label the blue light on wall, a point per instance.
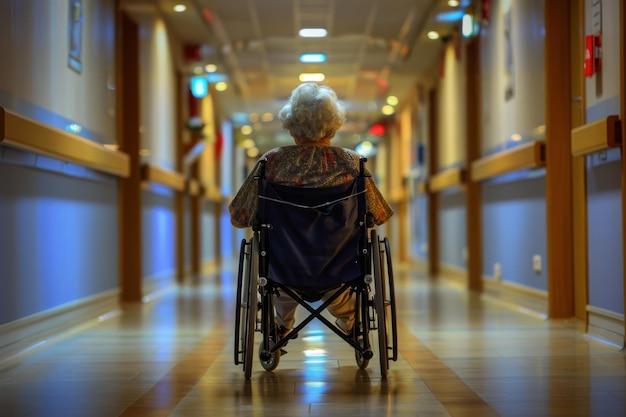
(199, 86)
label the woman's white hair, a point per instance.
(313, 113)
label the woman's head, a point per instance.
(313, 113)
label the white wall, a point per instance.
(452, 109)
(512, 60)
(34, 72)
(159, 49)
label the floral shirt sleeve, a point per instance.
(306, 166)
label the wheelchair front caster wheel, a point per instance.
(363, 359)
(269, 360)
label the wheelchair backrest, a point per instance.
(312, 237)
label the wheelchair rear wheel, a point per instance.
(379, 303)
(252, 303)
(392, 300)
(247, 304)
(239, 310)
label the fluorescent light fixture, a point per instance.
(433, 35)
(312, 33)
(179, 8)
(312, 58)
(216, 77)
(453, 16)
(240, 118)
(311, 76)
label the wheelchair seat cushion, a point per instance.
(312, 235)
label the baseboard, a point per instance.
(22, 336)
(454, 273)
(606, 327)
(519, 297)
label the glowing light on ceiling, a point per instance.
(311, 76)
(312, 33)
(179, 8)
(312, 58)
(388, 110)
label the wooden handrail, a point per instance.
(446, 179)
(30, 135)
(193, 187)
(163, 176)
(597, 136)
(529, 155)
(212, 193)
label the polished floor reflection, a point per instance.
(459, 356)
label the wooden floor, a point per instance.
(459, 356)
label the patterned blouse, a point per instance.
(306, 166)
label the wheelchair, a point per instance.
(306, 242)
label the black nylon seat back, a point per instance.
(312, 248)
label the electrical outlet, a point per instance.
(537, 264)
(497, 271)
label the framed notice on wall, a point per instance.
(75, 28)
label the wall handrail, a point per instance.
(193, 187)
(212, 193)
(527, 156)
(597, 136)
(448, 178)
(158, 175)
(30, 135)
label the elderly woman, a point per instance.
(312, 116)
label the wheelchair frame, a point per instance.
(375, 307)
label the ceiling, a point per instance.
(374, 48)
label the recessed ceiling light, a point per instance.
(311, 76)
(453, 3)
(433, 35)
(388, 110)
(179, 8)
(312, 58)
(312, 33)
(392, 100)
(221, 86)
